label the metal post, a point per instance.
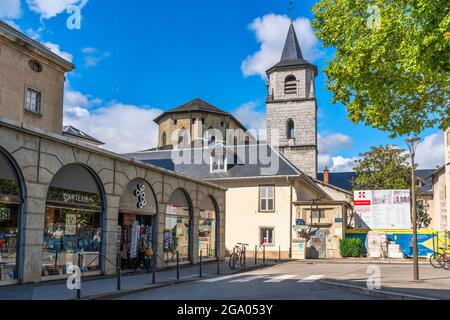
(79, 266)
(279, 253)
(264, 254)
(119, 286)
(218, 265)
(245, 253)
(256, 255)
(178, 266)
(414, 217)
(154, 269)
(200, 275)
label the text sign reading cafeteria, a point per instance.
(382, 209)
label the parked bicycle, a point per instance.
(440, 259)
(238, 255)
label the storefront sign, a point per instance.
(338, 220)
(76, 198)
(138, 197)
(299, 222)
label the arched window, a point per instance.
(164, 139)
(290, 85)
(290, 129)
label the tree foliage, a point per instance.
(382, 168)
(391, 63)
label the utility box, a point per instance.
(299, 249)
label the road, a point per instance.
(289, 281)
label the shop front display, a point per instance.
(207, 234)
(136, 234)
(177, 231)
(73, 224)
(10, 203)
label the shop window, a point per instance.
(266, 198)
(33, 100)
(267, 236)
(207, 234)
(177, 228)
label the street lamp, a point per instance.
(412, 145)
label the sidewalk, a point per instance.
(106, 286)
(422, 261)
(397, 282)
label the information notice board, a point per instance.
(382, 209)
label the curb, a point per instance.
(376, 292)
(122, 293)
(314, 261)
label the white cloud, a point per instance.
(330, 144)
(55, 48)
(250, 117)
(430, 152)
(51, 8)
(10, 9)
(92, 56)
(271, 31)
(124, 128)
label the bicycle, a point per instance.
(440, 260)
(238, 256)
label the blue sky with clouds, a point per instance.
(136, 58)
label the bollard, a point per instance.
(119, 275)
(264, 254)
(79, 266)
(178, 266)
(256, 255)
(279, 253)
(245, 253)
(200, 265)
(154, 270)
(218, 265)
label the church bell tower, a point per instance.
(292, 107)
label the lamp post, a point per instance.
(412, 145)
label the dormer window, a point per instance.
(218, 163)
(290, 85)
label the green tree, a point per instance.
(382, 168)
(391, 63)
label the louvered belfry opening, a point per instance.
(290, 85)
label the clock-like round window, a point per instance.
(35, 66)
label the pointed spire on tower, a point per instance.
(291, 49)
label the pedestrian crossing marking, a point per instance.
(312, 278)
(222, 278)
(281, 278)
(248, 279)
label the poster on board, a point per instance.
(382, 209)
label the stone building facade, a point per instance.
(40, 156)
(292, 107)
(27, 65)
(197, 122)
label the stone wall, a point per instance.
(41, 156)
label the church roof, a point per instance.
(77, 133)
(292, 54)
(198, 105)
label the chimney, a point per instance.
(326, 175)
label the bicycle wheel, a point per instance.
(438, 260)
(242, 261)
(232, 261)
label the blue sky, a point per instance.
(136, 58)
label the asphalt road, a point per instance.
(290, 281)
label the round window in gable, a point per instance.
(35, 66)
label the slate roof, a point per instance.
(199, 105)
(292, 54)
(244, 167)
(343, 180)
(77, 133)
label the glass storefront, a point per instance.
(176, 234)
(136, 241)
(207, 234)
(72, 226)
(10, 203)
